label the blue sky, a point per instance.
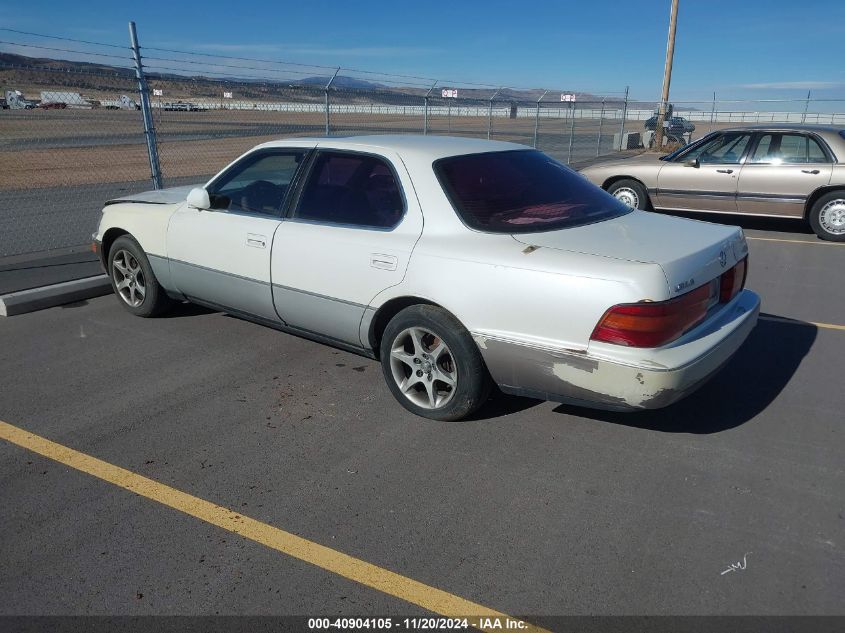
(738, 48)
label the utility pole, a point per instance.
(667, 77)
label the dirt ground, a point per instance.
(48, 148)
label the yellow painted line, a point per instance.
(810, 242)
(826, 326)
(367, 574)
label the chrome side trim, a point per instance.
(698, 194)
(223, 289)
(319, 296)
(334, 318)
(745, 213)
(771, 197)
(220, 272)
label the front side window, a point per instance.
(257, 184)
(522, 191)
(354, 189)
(726, 148)
(787, 149)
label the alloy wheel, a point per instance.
(129, 278)
(423, 368)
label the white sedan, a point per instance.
(458, 263)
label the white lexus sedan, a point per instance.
(457, 263)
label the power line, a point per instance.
(347, 71)
(66, 39)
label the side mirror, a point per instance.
(693, 163)
(198, 199)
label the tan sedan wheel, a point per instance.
(631, 193)
(827, 217)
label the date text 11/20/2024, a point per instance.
(417, 624)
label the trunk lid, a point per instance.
(690, 252)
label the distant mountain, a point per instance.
(341, 81)
(38, 73)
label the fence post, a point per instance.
(425, 114)
(624, 116)
(490, 113)
(329, 85)
(806, 106)
(144, 92)
(537, 117)
(601, 124)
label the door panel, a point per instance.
(326, 271)
(779, 189)
(782, 170)
(710, 187)
(222, 255)
(218, 257)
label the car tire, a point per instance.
(133, 280)
(827, 216)
(431, 364)
(631, 193)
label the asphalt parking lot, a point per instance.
(731, 502)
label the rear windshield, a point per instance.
(522, 191)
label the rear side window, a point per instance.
(522, 191)
(788, 149)
(353, 189)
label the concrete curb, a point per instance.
(57, 294)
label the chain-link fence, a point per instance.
(73, 135)
(65, 150)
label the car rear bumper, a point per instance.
(624, 379)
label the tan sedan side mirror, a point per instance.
(693, 162)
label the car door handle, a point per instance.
(256, 241)
(383, 262)
(725, 171)
(809, 171)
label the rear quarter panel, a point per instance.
(499, 288)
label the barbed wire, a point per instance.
(386, 76)
(65, 50)
(395, 79)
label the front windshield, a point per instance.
(522, 191)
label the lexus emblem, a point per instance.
(723, 258)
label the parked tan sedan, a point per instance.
(795, 171)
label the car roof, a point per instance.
(798, 127)
(430, 147)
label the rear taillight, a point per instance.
(732, 281)
(652, 324)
